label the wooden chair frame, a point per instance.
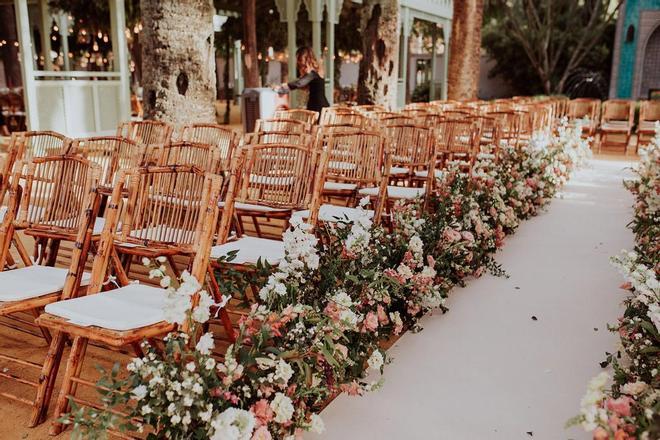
(309, 117)
(617, 119)
(213, 134)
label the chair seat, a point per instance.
(425, 173)
(129, 307)
(250, 207)
(250, 249)
(162, 233)
(33, 282)
(338, 186)
(646, 126)
(396, 171)
(616, 126)
(395, 192)
(272, 180)
(332, 213)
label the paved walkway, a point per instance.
(487, 369)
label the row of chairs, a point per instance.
(185, 210)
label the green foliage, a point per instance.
(539, 44)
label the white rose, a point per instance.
(282, 407)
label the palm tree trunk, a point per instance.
(178, 60)
(250, 43)
(465, 50)
(377, 83)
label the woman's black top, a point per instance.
(313, 80)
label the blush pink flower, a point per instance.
(371, 321)
(620, 406)
(451, 235)
(263, 412)
(262, 434)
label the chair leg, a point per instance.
(67, 389)
(47, 379)
(44, 331)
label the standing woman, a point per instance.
(310, 79)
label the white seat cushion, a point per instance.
(425, 173)
(332, 213)
(126, 308)
(33, 282)
(398, 171)
(272, 180)
(250, 249)
(337, 186)
(395, 192)
(250, 207)
(337, 165)
(647, 126)
(615, 126)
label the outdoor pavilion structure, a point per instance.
(438, 12)
(86, 103)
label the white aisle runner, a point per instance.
(486, 369)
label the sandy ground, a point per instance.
(486, 369)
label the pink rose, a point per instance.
(382, 315)
(620, 406)
(262, 434)
(451, 235)
(601, 434)
(263, 412)
(371, 321)
(467, 235)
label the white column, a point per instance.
(333, 10)
(120, 51)
(315, 11)
(434, 69)
(238, 70)
(45, 34)
(446, 32)
(63, 23)
(27, 66)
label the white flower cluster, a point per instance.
(643, 280)
(358, 238)
(570, 141)
(648, 169)
(345, 305)
(300, 253)
(591, 410)
(233, 424)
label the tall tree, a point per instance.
(465, 50)
(250, 43)
(556, 38)
(178, 60)
(377, 83)
(9, 52)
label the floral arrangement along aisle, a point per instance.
(329, 309)
(629, 408)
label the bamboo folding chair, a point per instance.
(509, 129)
(170, 211)
(288, 125)
(112, 153)
(206, 157)
(276, 181)
(431, 120)
(309, 117)
(649, 115)
(415, 113)
(70, 186)
(488, 129)
(617, 120)
(148, 133)
(355, 162)
(330, 116)
(459, 142)
(212, 134)
(286, 177)
(24, 146)
(584, 108)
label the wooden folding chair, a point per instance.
(649, 115)
(397, 119)
(460, 143)
(616, 121)
(70, 186)
(355, 161)
(277, 137)
(266, 176)
(309, 117)
(287, 125)
(582, 108)
(170, 211)
(330, 116)
(24, 146)
(112, 153)
(206, 157)
(147, 133)
(212, 134)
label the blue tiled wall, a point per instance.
(629, 49)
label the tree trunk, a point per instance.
(10, 52)
(178, 60)
(465, 50)
(377, 83)
(250, 43)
